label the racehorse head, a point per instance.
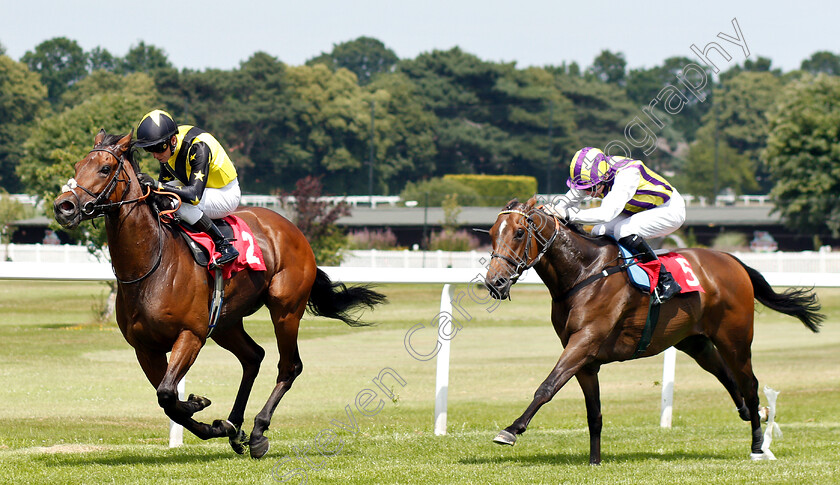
(521, 236)
(101, 182)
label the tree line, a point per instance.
(363, 120)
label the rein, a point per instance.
(95, 208)
(521, 265)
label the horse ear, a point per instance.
(125, 141)
(513, 203)
(99, 137)
(531, 202)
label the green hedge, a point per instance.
(497, 190)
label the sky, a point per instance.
(222, 33)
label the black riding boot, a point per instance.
(667, 287)
(226, 250)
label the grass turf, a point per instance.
(76, 408)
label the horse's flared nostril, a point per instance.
(65, 207)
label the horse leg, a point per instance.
(588, 380)
(289, 367)
(703, 351)
(574, 357)
(165, 378)
(736, 353)
(234, 339)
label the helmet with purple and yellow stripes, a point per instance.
(589, 167)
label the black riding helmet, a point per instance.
(156, 128)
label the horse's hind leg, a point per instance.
(290, 366)
(234, 339)
(735, 351)
(704, 352)
(588, 380)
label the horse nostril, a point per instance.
(67, 207)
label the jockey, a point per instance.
(194, 166)
(637, 204)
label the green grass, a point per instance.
(76, 408)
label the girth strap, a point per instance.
(597, 276)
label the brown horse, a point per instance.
(601, 319)
(163, 295)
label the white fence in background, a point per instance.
(776, 262)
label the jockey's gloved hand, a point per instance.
(147, 180)
(557, 211)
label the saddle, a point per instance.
(234, 229)
(645, 276)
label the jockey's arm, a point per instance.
(199, 160)
(572, 198)
(624, 188)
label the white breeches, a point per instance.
(216, 203)
(657, 222)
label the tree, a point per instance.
(144, 58)
(60, 140)
(101, 59)
(739, 115)
(329, 128)
(364, 56)
(316, 220)
(22, 102)
(698, 175)
(803, 154)
(60, 61)
(493, 117)
(609, 67)
(645, 86)
(822, 62)
(404, 133)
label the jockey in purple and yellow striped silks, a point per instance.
(637, 203)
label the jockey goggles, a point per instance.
(157, 148)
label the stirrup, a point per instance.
(227, 253)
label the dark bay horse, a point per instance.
(602, 321)
(163, 295)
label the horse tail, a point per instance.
(801, 303)
(337, 300)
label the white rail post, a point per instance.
(442, 376)
(176, 431)
(669, 366)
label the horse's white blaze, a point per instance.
(501, 231)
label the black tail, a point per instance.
(336, 300)
(801, 303)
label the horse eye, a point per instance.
(519, 233)
(105, 170)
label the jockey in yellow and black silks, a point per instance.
(637, 204)
(194, 166)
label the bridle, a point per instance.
(96, 208)
(520, 264)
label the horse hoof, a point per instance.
(200, 401)
(763, 413)
(759, 456)
(259, 447)
(239, 443)
(505, 438)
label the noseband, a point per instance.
(521, 265)
(96, 207)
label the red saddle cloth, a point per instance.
(250, 254)
(680, 269)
